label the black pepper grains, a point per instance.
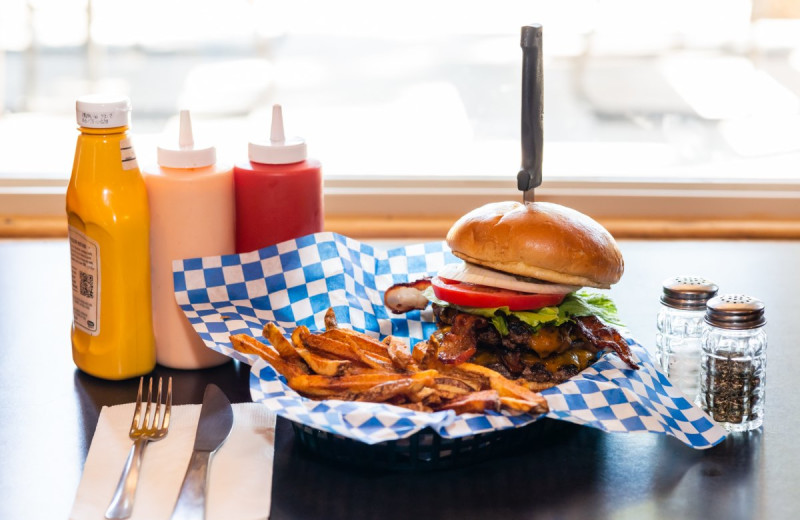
(733, 362)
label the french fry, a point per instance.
(506, 387)
(479, 370)
(447, 392)
(475, 402)
(337, 349)
(368, 343)
(533, 386)
(383, 392)
(453, 382)
(357, 340)
(399, 354)
(330, 319)
(409, 386)
(521, 405)
(298, 334)
(474, 381)
(325, 366)
(276, 338)
(422, 395)
(314, 384)
(374, 360)
(426, 376)
(362, 346)
(424, 354)
(249, 345)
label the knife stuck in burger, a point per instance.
(515, 304)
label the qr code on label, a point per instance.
(87, 285)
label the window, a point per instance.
(656, 108)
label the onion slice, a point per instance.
(471, 273)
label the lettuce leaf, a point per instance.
(579, 303)
(586, 303)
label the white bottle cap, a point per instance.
(186, 155)
(102, 111)
(279, 149)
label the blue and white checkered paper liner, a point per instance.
(295, 282)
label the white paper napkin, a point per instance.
(240, 479)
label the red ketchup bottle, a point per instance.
(278, 191)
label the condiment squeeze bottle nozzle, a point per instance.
(185, 135)
(276, 134)
(186, 154)
(279, 149)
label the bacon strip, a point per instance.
(461, 342)
(603, 337)
(404, 297)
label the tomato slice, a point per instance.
(472, 295)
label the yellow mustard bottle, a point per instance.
(108, 225)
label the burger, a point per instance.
(518, 302)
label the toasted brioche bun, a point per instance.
(540, 240)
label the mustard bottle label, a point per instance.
(85, 259)
(128, 155)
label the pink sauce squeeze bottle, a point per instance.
(192, 215)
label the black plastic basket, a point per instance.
(425, 450)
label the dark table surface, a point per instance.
(49, 410)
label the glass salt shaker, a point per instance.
(733, 362)
(680, 327)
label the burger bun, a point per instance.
(538, 240)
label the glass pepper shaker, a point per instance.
(733, 362)
(680, 328)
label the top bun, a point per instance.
(539, 240)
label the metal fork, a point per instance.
(141, 432)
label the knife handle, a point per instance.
(191, 503)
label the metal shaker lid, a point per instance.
(688, 292)
(735, 311)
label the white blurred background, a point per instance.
(634, 89)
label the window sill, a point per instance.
(398, 208)
(435, 227)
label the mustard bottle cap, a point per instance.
(186, 154)
(102, 111)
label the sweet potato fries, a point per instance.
(340, 363)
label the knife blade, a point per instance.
(214, 426)
(532, 131)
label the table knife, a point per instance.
(532, 131)
(216, 421)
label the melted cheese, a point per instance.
(579, 358)
(546, 341)
(485, 358)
